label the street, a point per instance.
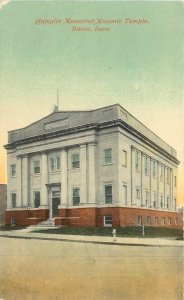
(38, 269)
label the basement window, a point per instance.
(108, 221)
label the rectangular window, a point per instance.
(148, 220)
(147, 198)
(154, 169)
(163, 221)
(167, 202)
(137, 162)
(75, 161)
(36, 195)
(55, 164)
(161, 201)
(169, 221)
(156, 220)
(168, 176)
(14, 200)
(155, 199)
(108, 221)
(146, 165)
(138, 193)
(36, 166)
(139, 220)
(13, 170)
(108, 194)
(161, 172)
(107, 156)
(76, 196)
(125, 194)
(124, 158)
(175, 183)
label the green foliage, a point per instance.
(131, 231)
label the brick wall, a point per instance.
(26, 217)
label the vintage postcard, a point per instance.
(91, 150)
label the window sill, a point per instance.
(109, 164)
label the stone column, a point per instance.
(64, 178)
(44, 181)
(92, 173)
(19, 181)
(83, 173)
(25, 181)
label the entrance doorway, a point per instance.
(55, 202)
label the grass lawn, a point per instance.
(121, 231)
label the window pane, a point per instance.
(36, 199)
(36, 166)
(13, 170)
(76, 196)
(108, 194)
(75, 161)
(52, 164)
(124, 158)
(108, 220)
(108, 156)
(58, 163)
(14, 200)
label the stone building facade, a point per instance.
(91, 168)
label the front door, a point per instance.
(55, 204)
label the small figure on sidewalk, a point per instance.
(114, 234)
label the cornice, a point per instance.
(97, 127)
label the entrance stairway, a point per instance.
(48, 223)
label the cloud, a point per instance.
(3, 3)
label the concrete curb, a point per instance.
(88, 241)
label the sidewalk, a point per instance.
(29, 233)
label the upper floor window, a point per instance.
(36, 166)
(155, 199)
(147, 198)
(168, 176)
(108, 194)
(137, 161)
(75, 161)
(76, 196)
(161, 201)
(146, 165)
(107, 156)
(124, 158)
(13, 200)
(167, 202)
(36, 195)
(125, 194)
(154, 169)
(13, 170)
(138, 193)
(161, 172)
(175, 183)
(55, 163)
